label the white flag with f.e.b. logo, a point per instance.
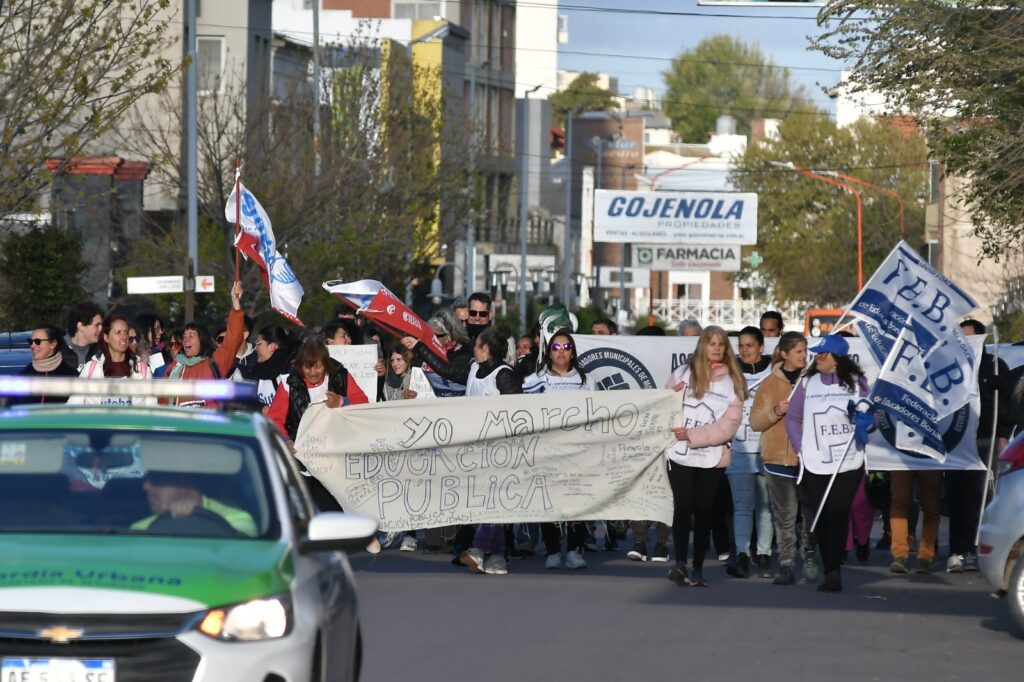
(927, 371)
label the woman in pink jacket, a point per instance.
(713, 391)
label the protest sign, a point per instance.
(361, 363)
(503, 459)
(418, 382)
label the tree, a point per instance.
(807, 228)
(42, 274)
(69, 70)
(957, 67)
(392, 187)
(583, 94)
(723, 75)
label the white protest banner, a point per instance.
(624, 362)
(675, 217)
(361, 363)
(502, 459)
(704, 257)
(418, 382)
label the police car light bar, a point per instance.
(210, 389)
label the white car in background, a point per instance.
(1001, 544)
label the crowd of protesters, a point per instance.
(749, 482)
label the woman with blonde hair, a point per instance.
(713, 388)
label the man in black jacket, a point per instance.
(964, 488)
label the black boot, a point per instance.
(833, 583)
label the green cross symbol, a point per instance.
(753, 260)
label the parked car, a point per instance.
(1001, 543)
(14, 352)
(164, 543)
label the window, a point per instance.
(411, 9)
(210, 65)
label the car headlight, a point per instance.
(250, 621)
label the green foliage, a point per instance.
(957, 67)
(724, 75)
(807, 230)
(42, 271)
(69, 70)
(583, 94)
(393, 184)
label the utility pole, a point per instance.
(568, 252)
(191, 162)
(470, 270)
(623, 305)
(524, 217)
(316, 88)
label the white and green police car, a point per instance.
(161, 543)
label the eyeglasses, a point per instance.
(37, 342)
(561, 346)
(133, 339)
(220, 339)
(479, 313)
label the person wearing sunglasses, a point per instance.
(560, 371)
(48, 360)
(115, 360)
(480, 314)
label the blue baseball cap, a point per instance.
(834, 344)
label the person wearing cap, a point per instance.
(178, 496)
(821, 429)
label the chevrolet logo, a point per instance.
(60, 634)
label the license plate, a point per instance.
(57, 670)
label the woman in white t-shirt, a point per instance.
(822, 431)
(713, 389)
(560, 371)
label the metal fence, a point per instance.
(728, 314)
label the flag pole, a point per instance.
(831, 481)
(995, 431)
(238, 213)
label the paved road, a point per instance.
(424, 619)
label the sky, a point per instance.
(656, 39)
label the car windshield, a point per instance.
(134, 482)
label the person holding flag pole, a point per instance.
(827, 412)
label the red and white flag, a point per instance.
(374, 301)
(256, 241)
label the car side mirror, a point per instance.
(334, 531)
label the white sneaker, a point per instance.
(496, 565)
(574, 560)
(473, 559)
(408, 543)
(553, 561)
(955, 563)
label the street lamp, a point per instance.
(524, 211)
(886, 190)
(552, 277)
(437, 285)
(860, 214)
(598, 144)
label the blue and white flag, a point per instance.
(906, 285)
(256, 241)
(909, 319)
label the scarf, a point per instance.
(47, 365)
(278, 363)
(181, 362)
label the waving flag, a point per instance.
(909, 319)
(376, 302)
(256, 241)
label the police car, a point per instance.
(161, 543)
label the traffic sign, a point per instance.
(204, 284)
(156, 285)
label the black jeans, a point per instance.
(834, 523)
(552, 535)
(693, 492)
(963, 495)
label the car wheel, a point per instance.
(1015, 595)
